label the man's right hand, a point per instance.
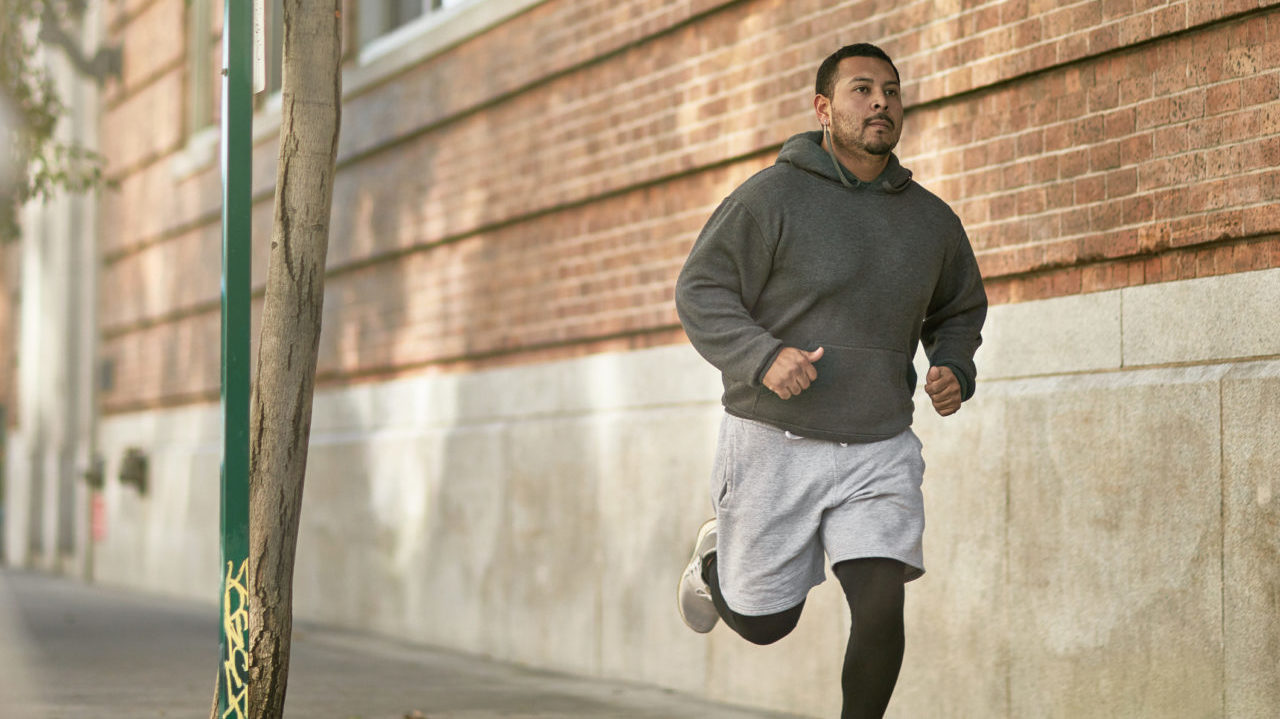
(792, 371)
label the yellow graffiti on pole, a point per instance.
(235, 625)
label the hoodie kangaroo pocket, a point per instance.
(859, 390)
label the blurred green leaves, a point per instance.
(34, 163)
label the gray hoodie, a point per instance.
(794, 257)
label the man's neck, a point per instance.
(864, 166)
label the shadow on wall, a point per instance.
(536, 514)
(365, 494)
(405, 512)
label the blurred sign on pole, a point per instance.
(259, 46)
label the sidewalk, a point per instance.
(74, 651)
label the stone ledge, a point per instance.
(1228, 317)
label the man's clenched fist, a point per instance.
(792, 371)
(944, 389)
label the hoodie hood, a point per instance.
(805, 151)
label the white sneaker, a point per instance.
(693, 597)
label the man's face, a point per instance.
(865, 107)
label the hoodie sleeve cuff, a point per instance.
(758, 380)
(966, 382)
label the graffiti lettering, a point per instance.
(235, 627)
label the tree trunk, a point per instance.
(280, 411)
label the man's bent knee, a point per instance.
(768, 628)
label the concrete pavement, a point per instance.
(74, 651)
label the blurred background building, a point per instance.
(512, 438)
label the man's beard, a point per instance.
(847, 139)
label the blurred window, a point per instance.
(380, 17)
(204, 61)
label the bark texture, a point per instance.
(280, 409)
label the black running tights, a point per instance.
(873, 588)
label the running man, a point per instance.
(810, 288)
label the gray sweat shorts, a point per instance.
(782, 500)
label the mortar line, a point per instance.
(1008, 564)
(1222, 540)
(1123, 292)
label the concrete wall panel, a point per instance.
(1079, 333)
(1175, 322)
(509, 472)
(1251, 545)
(955, 665)
(1114, 547)
(455, 583)
(549, 574)
(339, 561)
(165, 539)
(653, 495)
(1112, 597)
(21, 521)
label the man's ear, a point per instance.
(822, 108)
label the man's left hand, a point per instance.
(944, 389)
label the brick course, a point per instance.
(151, 50)
(534, 189)
(147, 125)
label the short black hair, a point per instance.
(827, 71)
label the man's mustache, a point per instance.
(885, 118)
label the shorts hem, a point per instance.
(915, 568)
(775, 608)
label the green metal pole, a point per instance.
(237, 165)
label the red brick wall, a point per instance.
(532, 192)
(1144, 164)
